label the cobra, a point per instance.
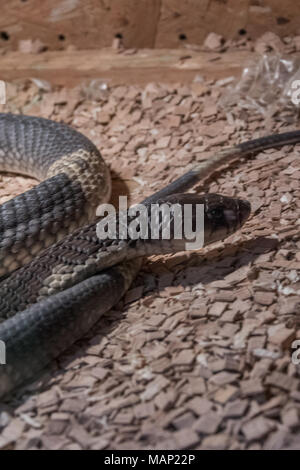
(58, 277)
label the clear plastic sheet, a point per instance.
(96, 89)
(43, 85)
(265, 88)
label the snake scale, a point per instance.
(58, 278)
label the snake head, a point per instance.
(205, 219)
(223, 216)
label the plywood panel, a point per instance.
(193, 20)
(93, 24)
(83, 23)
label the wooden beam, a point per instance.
(68, 68)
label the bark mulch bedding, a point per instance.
(198, 355)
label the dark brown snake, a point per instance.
(51, 299)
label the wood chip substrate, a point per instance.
(199, 354)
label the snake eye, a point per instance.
(216, 213)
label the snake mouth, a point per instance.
(236, 215)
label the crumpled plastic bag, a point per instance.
(267, 87)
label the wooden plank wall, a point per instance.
(89, 24)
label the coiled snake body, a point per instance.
(50, 300)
